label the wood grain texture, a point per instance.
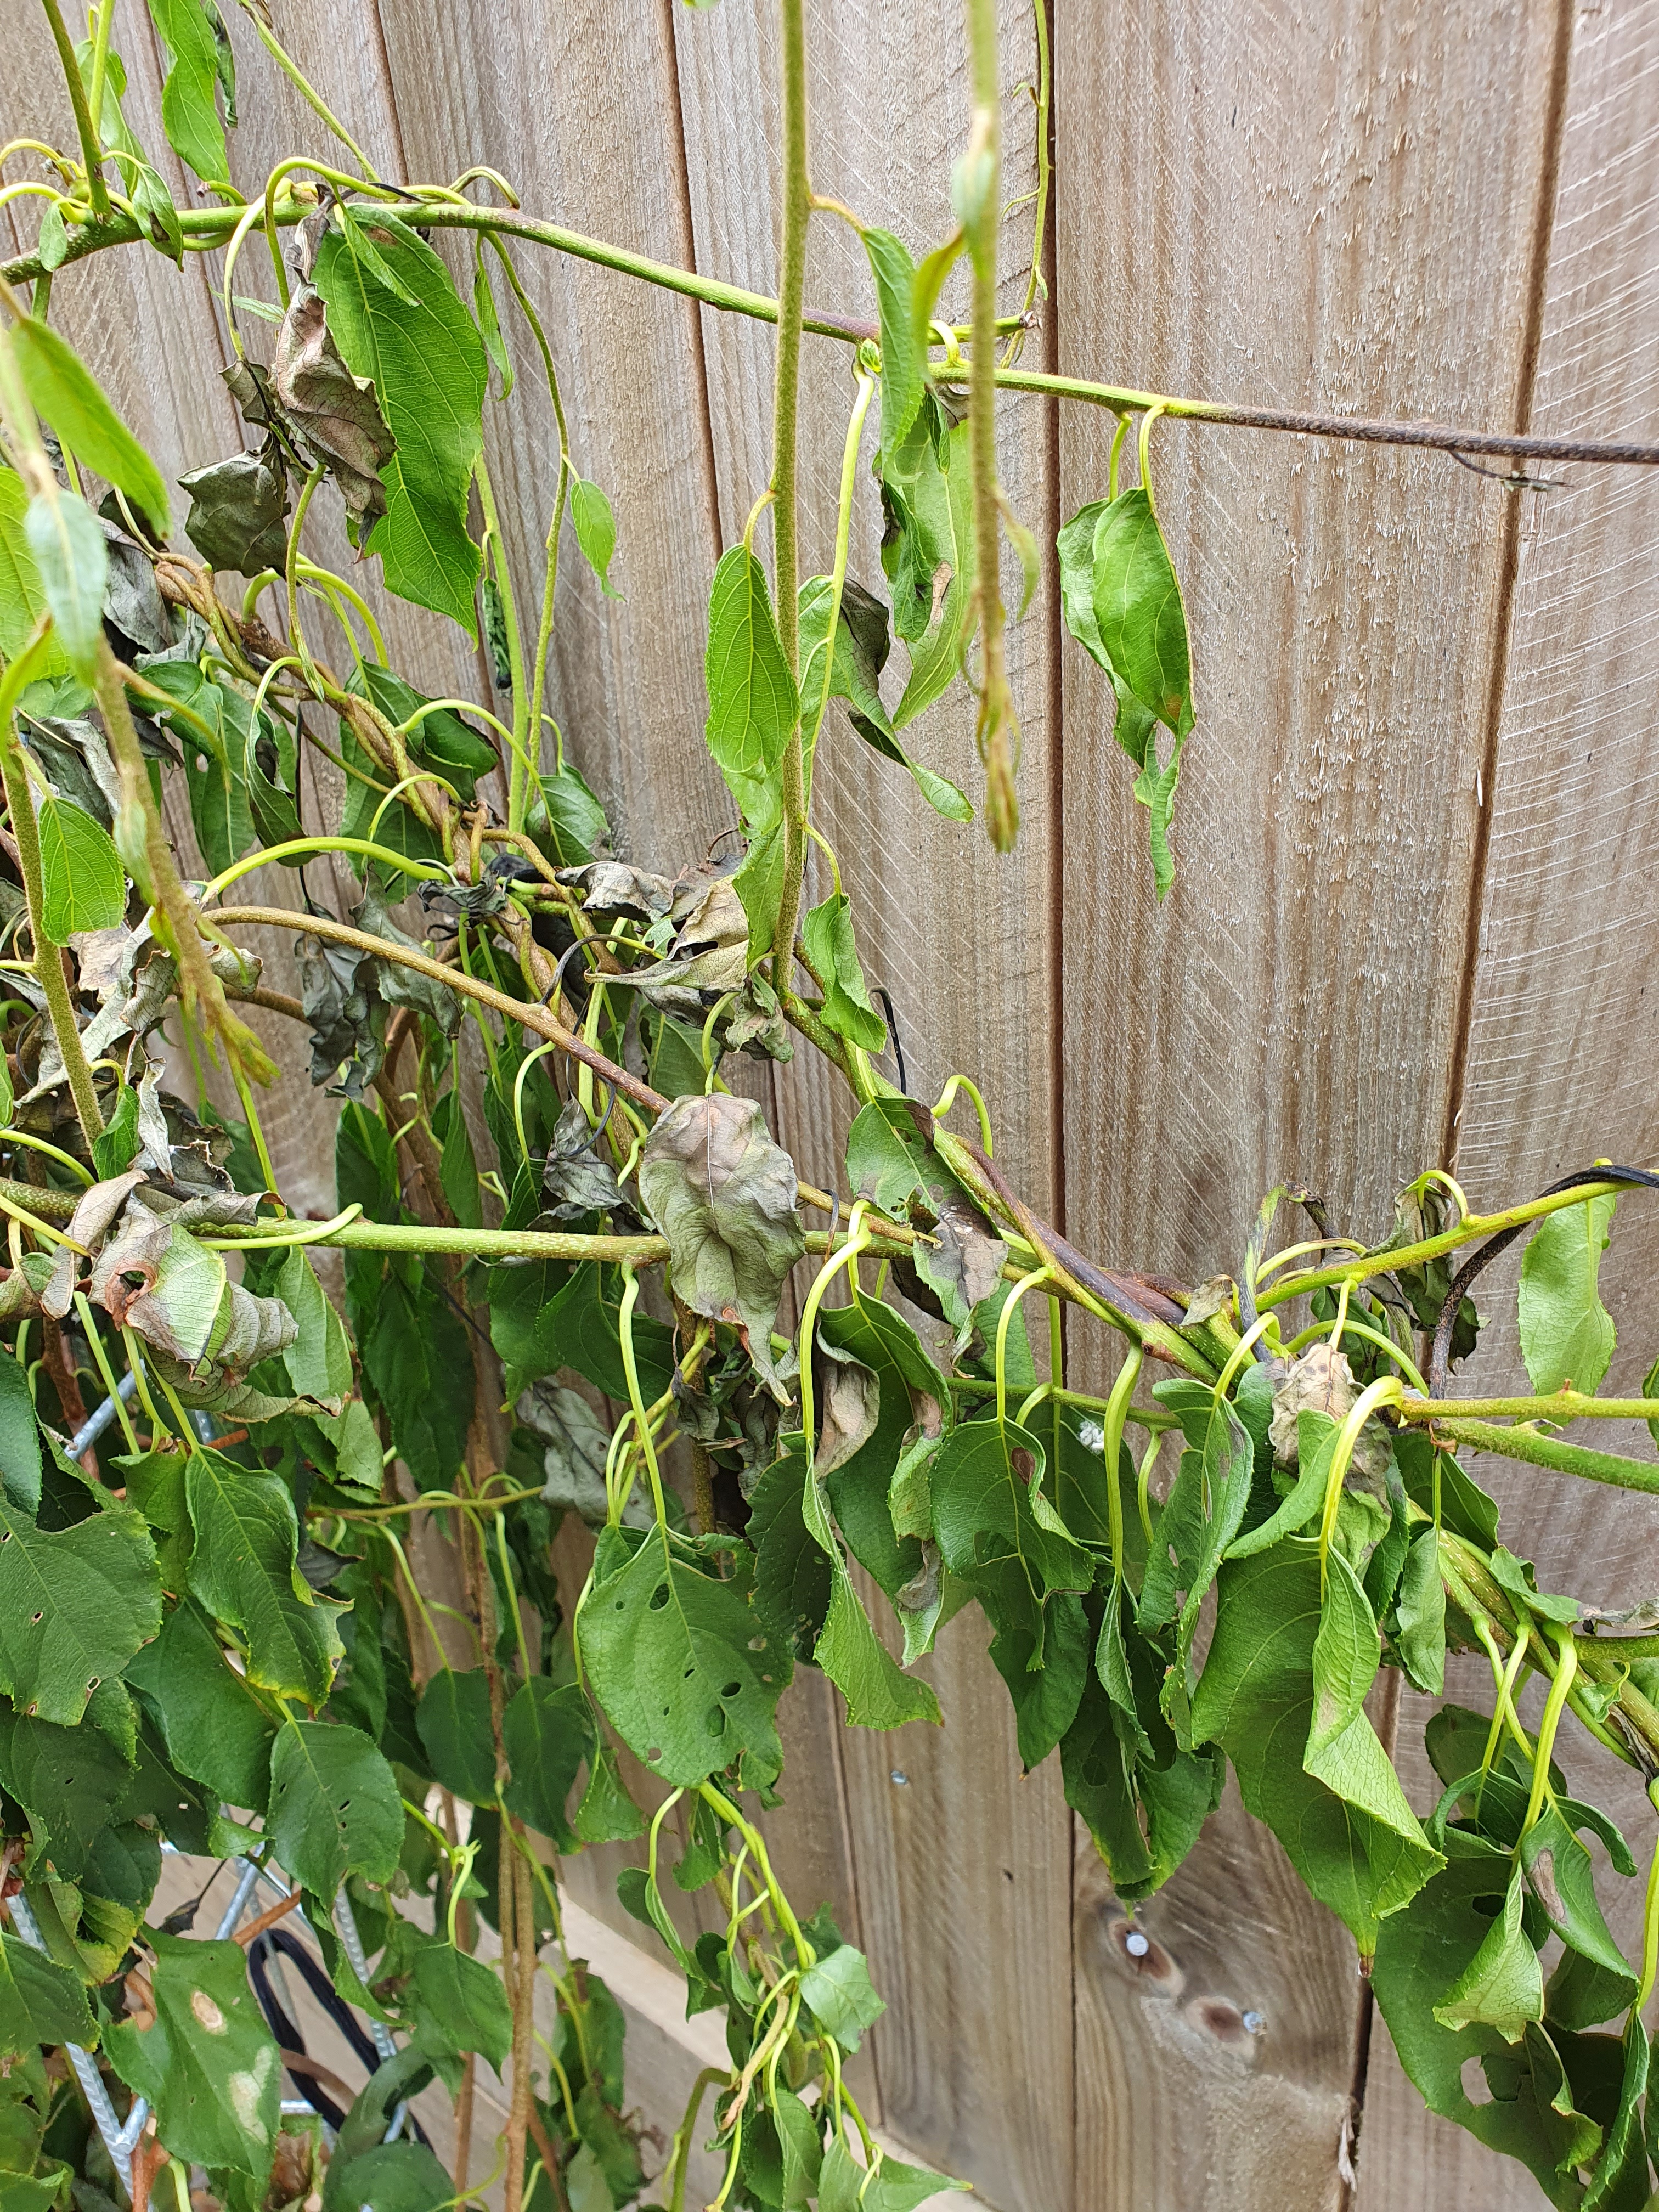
(962, 1867)
(1263, 201)
(1564, 964)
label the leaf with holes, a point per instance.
(208, 2063)
(334, 1806)
(685, 1674)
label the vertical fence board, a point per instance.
(1564, 1003)
(963, 1868)
(1267, 203)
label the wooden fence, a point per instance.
(1418, 840)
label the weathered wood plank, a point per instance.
(1263, 203)
(1564, 962)
(962, 1868)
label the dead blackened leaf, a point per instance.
(236, 511)
(579, 1180)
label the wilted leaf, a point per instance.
(236, 511)
(725, 1196)
(334, 416)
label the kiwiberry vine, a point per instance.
(568, 1250)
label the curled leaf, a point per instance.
(334, 416)
(725, 1196)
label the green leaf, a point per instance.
(927, 553)
(1502, 1985)
(488, 321)
(725, 1197)
(827, 932)
(1347, 1827)
(83, 885)
(547, 1733)
(213, 1727)
(681, 1669)
(1420, 1616)
(334, 1806)
(461, 2005)
(1229, 1462)
(793, 1580)
(371, 263)
(1560, 1875)
(20, 1440)
(1345, 1655)
(1139, 617)
(1566, 1332)
(242, 1568)
(22, 594)
(215, 771)
(837, 1989)
(74, 1606)
(1155, 789)
(318, 1361)
(113, 1151)
(72, 561)
(419, 1361)
(752, 702)
(596, 531)
(190, 113)
(903, 348)
(606, 1814)
(878, 1693)
(453, 1721)
(988, 1507)
(395, 2177)
(429, 372)
(208, 2062)
(63, 390)
(71, 1782)
(39, 2000)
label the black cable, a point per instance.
(288, 2032)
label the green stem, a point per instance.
(550, 574)
(979, 204)
(48, 956)
(307, 92)
(1560, 1405)
(516, 776)
(796, 194)
(1562, 1458)
(92, 150)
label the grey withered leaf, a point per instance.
(332, 413)
(346, 1012)
(725, 1197)
(406, 987)
(236, 510)
(579, 1181)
